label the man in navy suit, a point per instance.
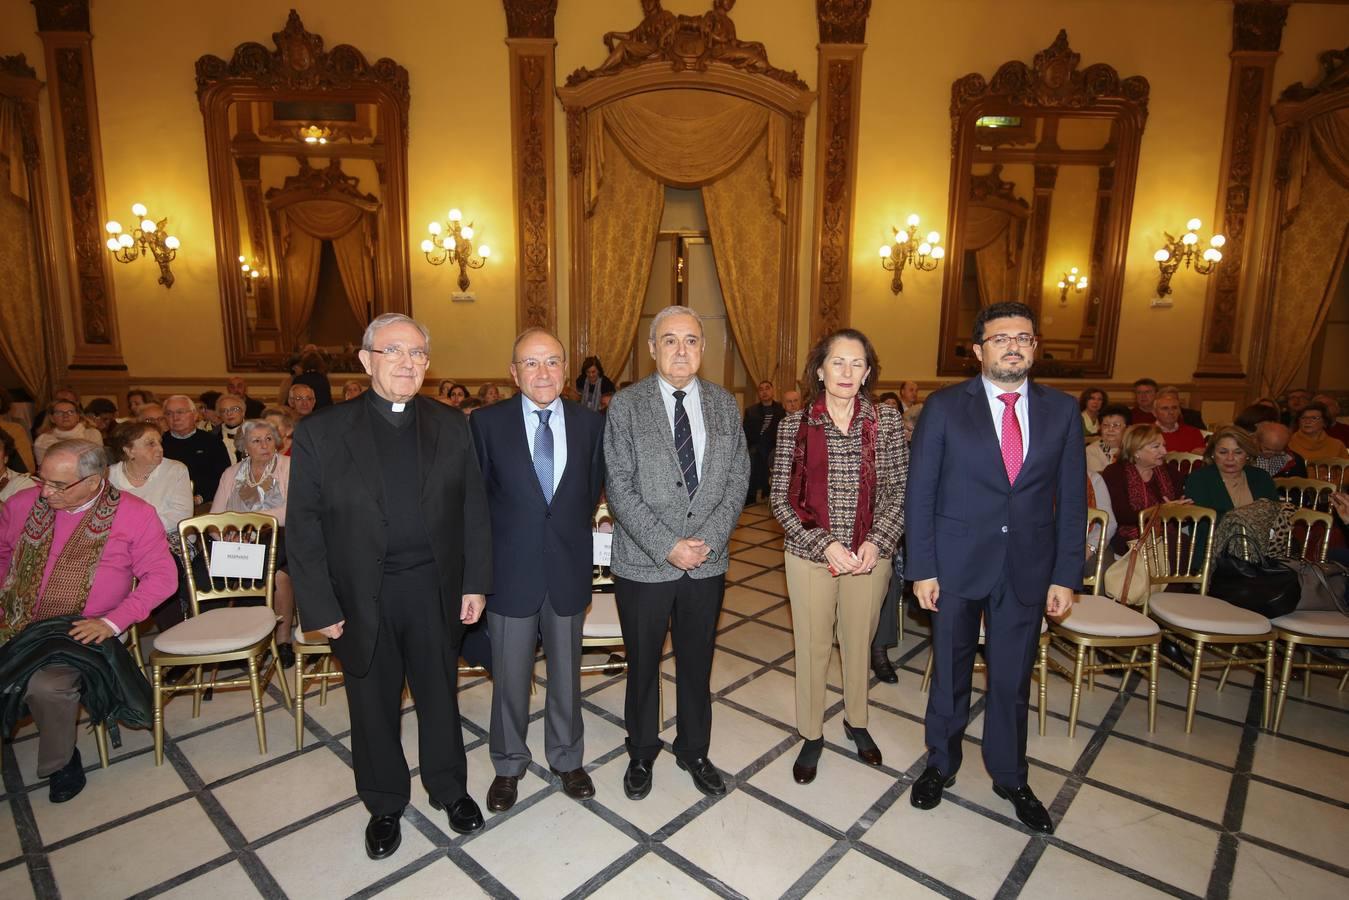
(996, 532)
(542, 459)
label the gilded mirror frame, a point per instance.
(299, 69)
(1052, 86)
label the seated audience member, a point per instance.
(115, 566)
(910, 420)
(489, 393)
(1253, 415)
(1145, 392)
(67, 424)
(236, 386)
(890, 399)
(351, 390)
(314, 375)
(153, 412)
(1091, 402)
(469, 405)
(300, 398)
(1334, 427)
(43, 424)
(1179, 437)
(232, 411)
(259, 484)
(1230, 480)
(139, 468)
(1272, 454)
(452, 394)
(202, 453)
(207, 419)
(135, 399)
(1102, 452)
(592, 383)
(283, 420)
(1191, 417)
(1310, 439)
(11, 481)
(791, 400)
(1140, 478)
(23, 442)
(571, 393)
(1098, 497)
(908, 394)
(103, 413)
(1293, 402)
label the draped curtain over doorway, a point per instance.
(995, 237)
(22, 340)
(736, 151)
(303, 227)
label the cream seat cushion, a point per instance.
(1199, 612)
(602, 618)
(1327, 623)
(218, 631)
(309, 638)
(1103, 617)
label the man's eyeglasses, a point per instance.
(59, 487)
(1003, 341)
(231, 409)
(62, 413)
(416, 354)
(552, 363)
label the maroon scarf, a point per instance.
(808, 491)
(1143, 494)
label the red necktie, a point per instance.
(1011, 436)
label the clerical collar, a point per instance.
(396, 414)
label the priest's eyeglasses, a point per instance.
(58, 487)
(393, 352)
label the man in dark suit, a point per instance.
(542, 460)
(761, 437)
(390, 549)
(204, 455)
(996, 533)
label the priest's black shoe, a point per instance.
(637, 780)
(882, 667)
(926, 791)
(465, 816)
(382, 836)
(1029, 809)
(807, 761)
(706, 778)
(67, 781)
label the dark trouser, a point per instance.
(760, 467)
(53, 697)
(687, 609)
(513, 643)
(887, 626)
(1012, 638)
(415, 642)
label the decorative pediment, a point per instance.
(17, 66)
(530, 18)
(299, 62)
(1334, 77)
(330, 182)
(686, 43)
(1051, 81)
(991, 187)
(843, 21)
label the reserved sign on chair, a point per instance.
(237, 560)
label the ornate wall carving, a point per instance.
(530, 18)
(843, 21)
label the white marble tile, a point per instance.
(109, 794)
(1291, 820)
(440, 879)
(10, 845)
(1262, 873)
(900, 740)
(974, 785)
(759, 641)
(1290, 762)
(753, 535)
(480, 775)
(1215, 741)
(1060, 875)
(134, 740)
(15, 883)
(772, 582)
(748, 602)
(672, 792)
(1311, 723)
(772, 694)
(858, 875)
(229, 880)
(761, 556)
(843, 790)
(737, 739)
(739, 570)
(268, 800)
(224, 751)
(653, 877)
(601, 736)
(1196, 788)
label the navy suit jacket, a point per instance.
(967, 525)
(539, 549)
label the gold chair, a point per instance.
(1041, 670)
(1199, 621)
(1308, 493)
(1096, 622)
(1310, 629)
(310, 643)
(1186, 463)
(1330, 470)
(229, 634)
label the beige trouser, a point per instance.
(822, 604)
(53, 698)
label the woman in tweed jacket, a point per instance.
(838, 490)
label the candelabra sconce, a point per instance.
(1186, 251)
(453, 242)
(1071, 281)
(147, 237)
(909, 249)
(315, 134)
(250, 273)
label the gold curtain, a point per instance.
(622, 233)
(304, 226)
(21, 339)
(747, 242)
(995, 237)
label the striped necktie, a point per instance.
(683, 438)
(543, 454)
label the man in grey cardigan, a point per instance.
(678, 471)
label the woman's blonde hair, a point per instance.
(1243, 439)
(1136, 437)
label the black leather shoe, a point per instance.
(807, 761)
(882, 667)
(1029, 809)
(637, 780)
(926, 791)
(382, 836)
(1172, 651)
(706, 778)
(465, 817)
(576, 784)
(501, 795)
(286, 654)
(68, 780)
(867, 751)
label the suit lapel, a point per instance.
(361, 444)
(981, 420)
(710, 458)
(656, 407)
(577, 454)
(428, 436)
(1036, 412)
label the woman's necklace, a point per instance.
(266, 473)
(135, 477)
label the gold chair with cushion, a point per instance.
(1198, 621)
(311, 643)
(227, 634)
(1308, 493)
(1097, 622)
(1330, 470)
(1185, 463)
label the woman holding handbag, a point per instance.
(1139, 479)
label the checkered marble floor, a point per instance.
(1228, 811)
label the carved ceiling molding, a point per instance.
(330, 181)
(1258, 24)
(530, 18)
(687, 43)
(843, 21)
(62, 15)
(17, 66)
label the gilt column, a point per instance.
(530, 44)
(63, 26)
(843, 26)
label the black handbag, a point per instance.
(1267, 588)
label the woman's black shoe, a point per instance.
(286, 654)
(882, 667)
(808, 760)
(867, 751)
(1172, 651)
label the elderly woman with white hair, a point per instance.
(258, 484)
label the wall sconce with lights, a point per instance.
(147, 237)
(909, 250)
(250, 273)
(1071, 281)
(1186, 251)
(453, 242)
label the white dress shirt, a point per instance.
(693, 406)
(996, 407)
(557, 424)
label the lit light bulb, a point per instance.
(112, 244)
(1190, 239)
(901, 237)
(113, 227)
(138, 210)
(1062, 285)
(924, 248)
(455, 215)
(147, 226)
(1073, 271)
(253, 274)
(434, 228)
(310, 139)
(484, 251)
(125, 240)
(241, 259)
(244, 267)
(1213, 255)
(885, 251)
(428, 246)
(1162, 255)
(933, 237)
(1193, 225)
(172, 242)
(912, 221)
(938, 252)
(1081, 282)
(447, 242)
(1217, 241)
(467, 232)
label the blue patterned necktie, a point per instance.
(683, 437)
(543, 454)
